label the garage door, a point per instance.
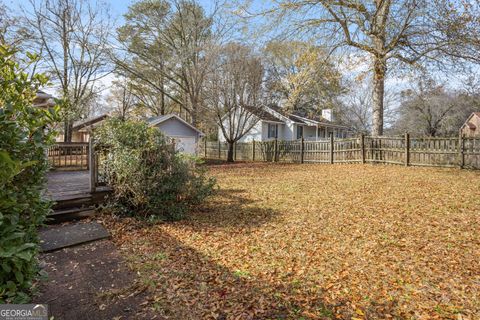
(185, 144)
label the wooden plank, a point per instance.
(91, 160)
(331, 148)
(407, 149)
(362, 147)
(461, 150)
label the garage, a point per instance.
(185, 135)
(185, 144)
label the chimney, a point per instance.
(327, 114)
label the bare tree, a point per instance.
(121, 100)
(430, 109)
(73, 37)
(164, 45)
(234, 91)
(12, 29)
(406, 31)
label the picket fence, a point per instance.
(459, 152)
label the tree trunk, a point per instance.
(379, 71)
(230, 152)
(67, 134)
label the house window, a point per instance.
(273, 130)
(299, 132)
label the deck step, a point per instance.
(70, 214)
(73, 202)
(63, 236)
(81, 199)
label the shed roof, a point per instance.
(153, 121)
(88, 122)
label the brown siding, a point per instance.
(469, 133)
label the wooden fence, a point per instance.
(69, 156)
(402, 150)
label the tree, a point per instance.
(234, 91)
(300, 77)
(429, 108)
(24, 137)
(164, 45)
(73, 37)
(121, 99)
(406, 31)
(354, 108)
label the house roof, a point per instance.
(89, 122)
(262, 114)
(43, 99)
(153, 121)
(468, 124)
(43, 95)
(305, 120)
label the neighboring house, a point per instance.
(471, 127)
(185, 135)
(43, 100)
(82, 129)
(274, 123)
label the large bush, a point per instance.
(149, 178)
(23, 138)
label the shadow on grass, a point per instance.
(187, 284)
(232, 208)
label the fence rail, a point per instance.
(401, 150)
(69, 156)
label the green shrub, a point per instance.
(23, 142)
(149, 178)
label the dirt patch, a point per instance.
(92, 281)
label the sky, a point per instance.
(120, 7)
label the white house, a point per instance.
(185, 135)
(274, 123)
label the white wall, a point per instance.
(254, 133)
(309, 133)
(280, 133)
(289, 133)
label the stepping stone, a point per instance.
(59, 237)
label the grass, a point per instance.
(318, 242)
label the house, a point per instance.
(185, 135)
(271, 122)
(471, 127)
(82, 129)
(43, 100)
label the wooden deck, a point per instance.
(68, 184)
(63, 185)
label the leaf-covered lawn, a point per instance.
(318, 242)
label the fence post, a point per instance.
(302, 150)
(461, 150)
(219, 150)
(407, 149)
(275, 150)
(205, 148)
(362, 147)
(92, 166)
(253, 150)
(331, 147)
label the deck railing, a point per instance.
(403, 150)
(69, 156)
